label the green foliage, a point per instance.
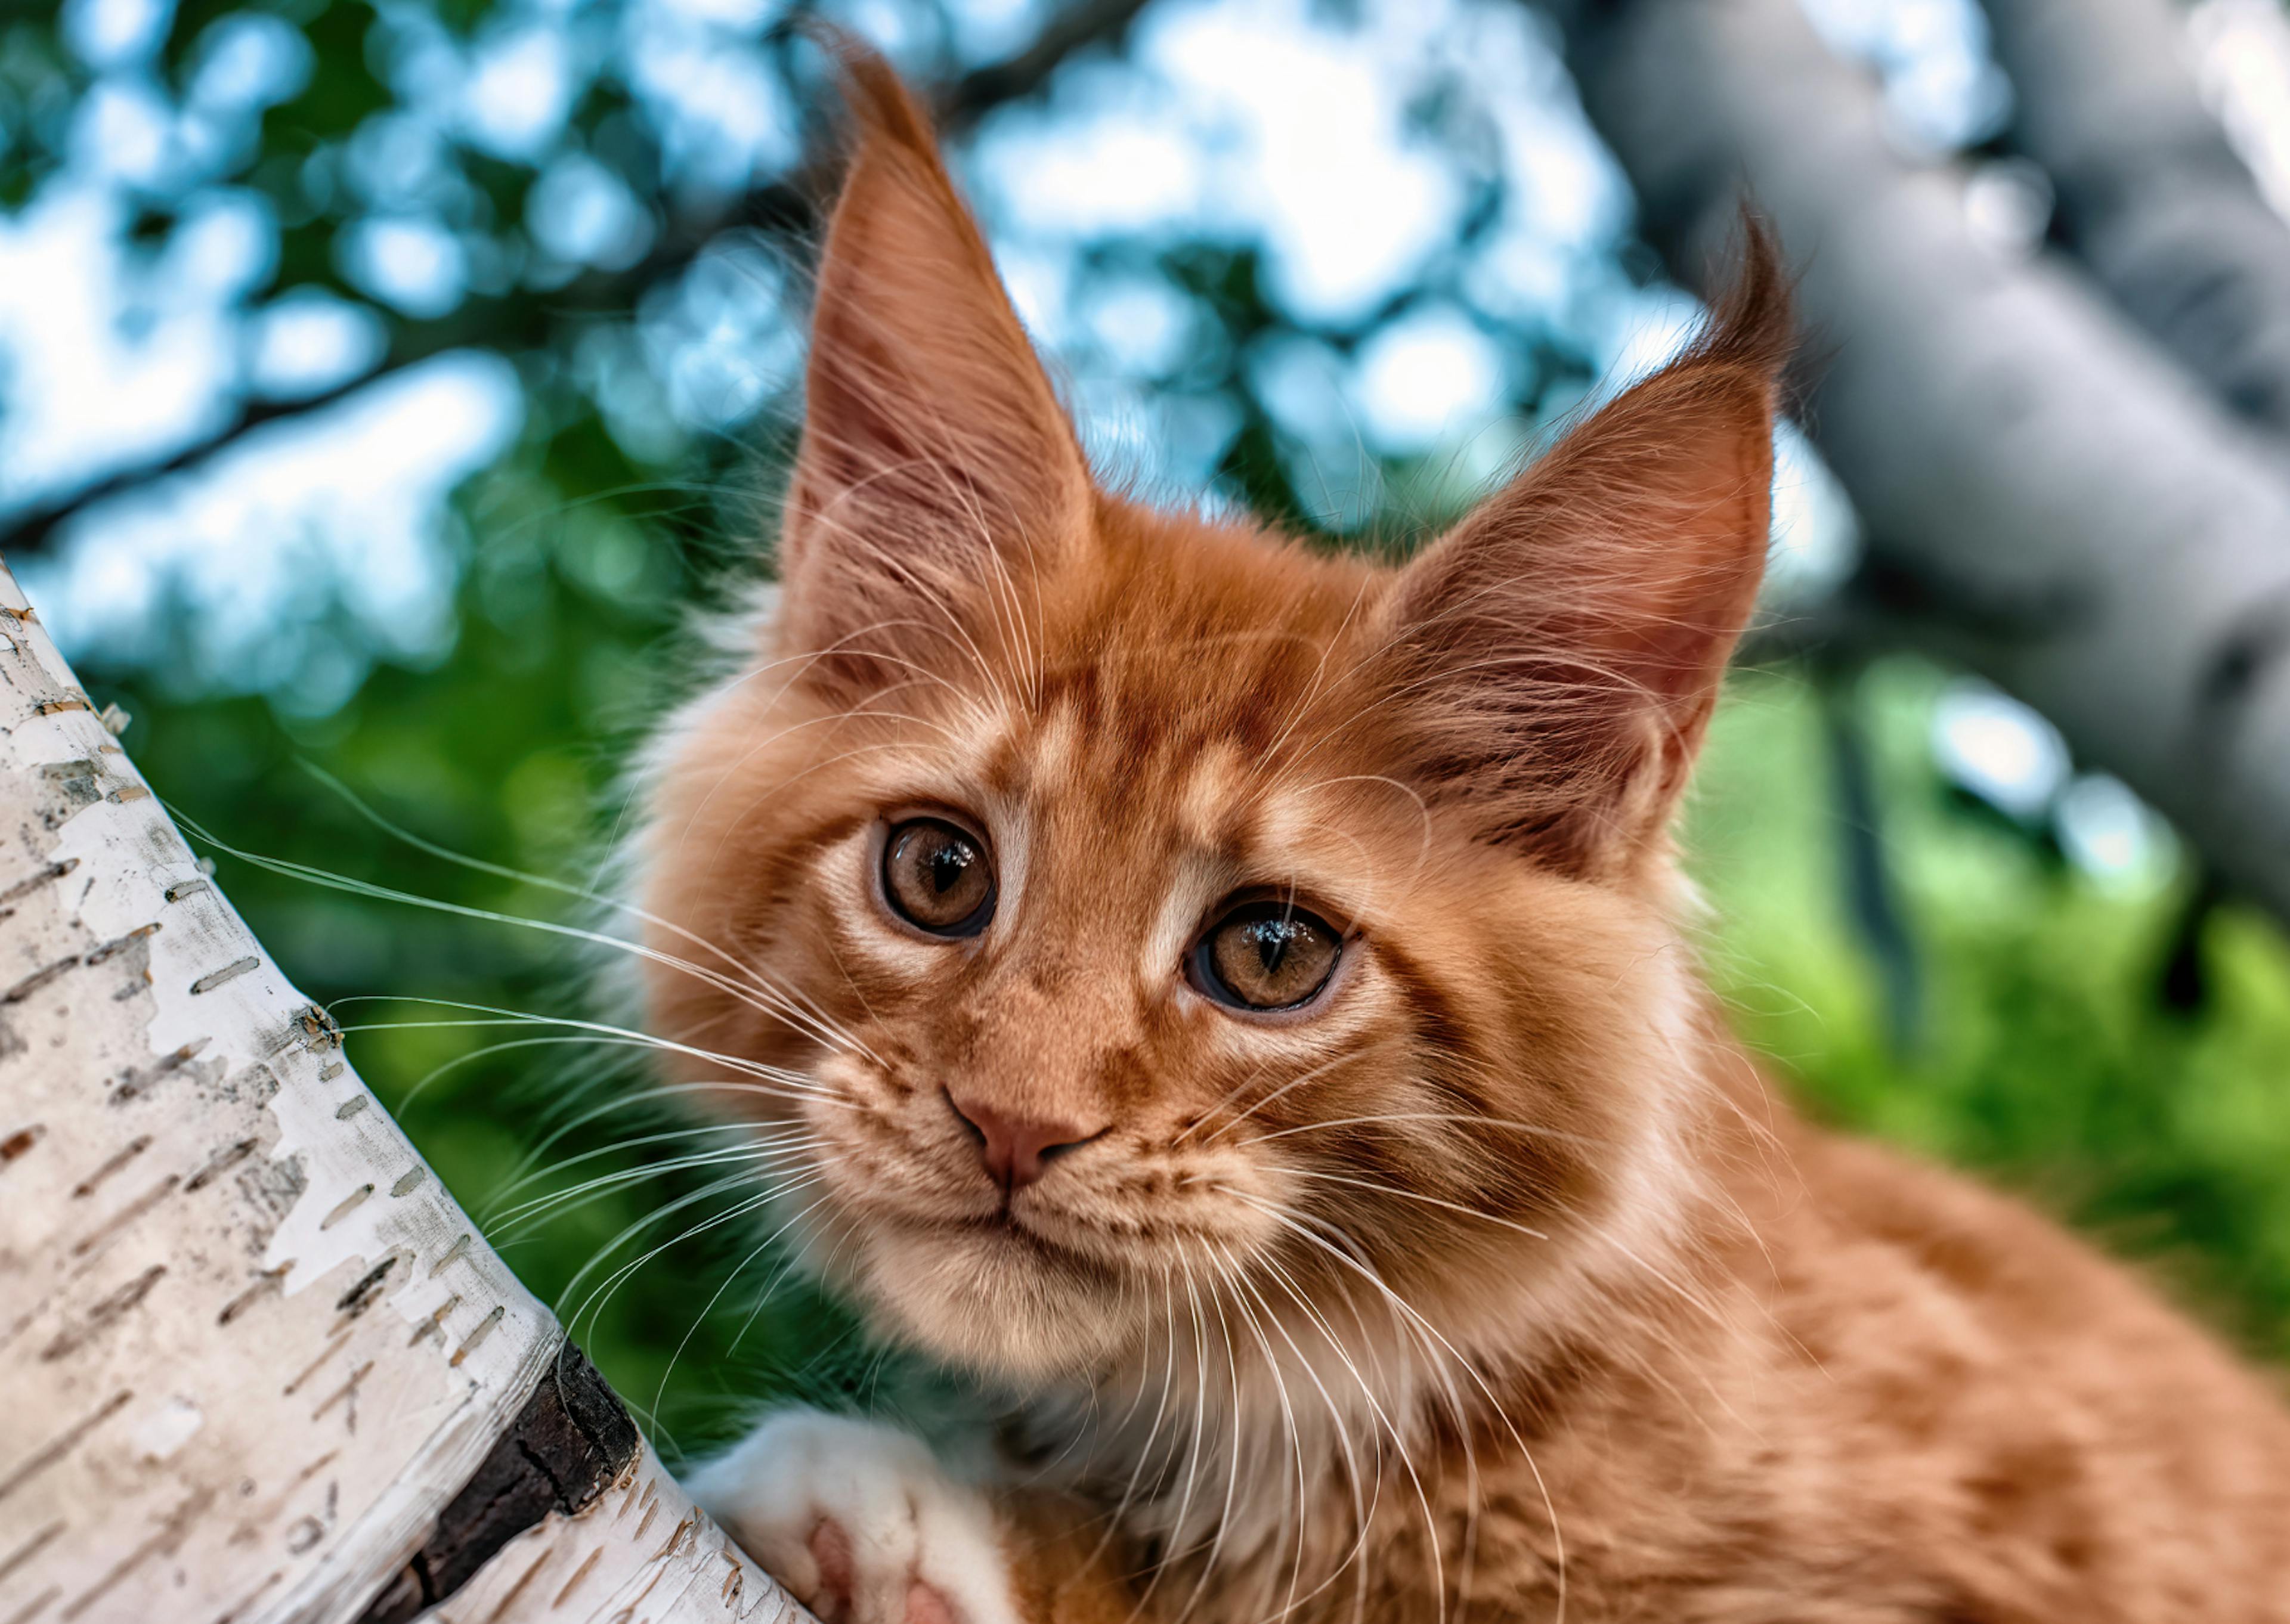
(2049, 1060)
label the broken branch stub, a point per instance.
(256, 1365)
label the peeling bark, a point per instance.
(255, 1364)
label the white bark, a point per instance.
(250, 1351)
(2150, 193)
(2048, 497)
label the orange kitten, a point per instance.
(1229, 1002)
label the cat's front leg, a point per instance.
(860, 1523)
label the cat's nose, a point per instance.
(1016, 1148)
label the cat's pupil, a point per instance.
(936, 876)
(1266, 956)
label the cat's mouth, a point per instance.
(1006, 1227)
(993, 1293)
(1054, 1248)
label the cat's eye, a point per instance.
(938, 879)
(1266, 956)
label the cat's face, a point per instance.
(1108, 912)
(1149, 899)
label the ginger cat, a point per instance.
(1229, 1001)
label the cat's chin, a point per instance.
(995, 1301)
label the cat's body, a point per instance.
(1910, 1402)
(1231, 1002)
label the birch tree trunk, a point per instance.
(255, 1364)
(2150, 194)
(2048, 498)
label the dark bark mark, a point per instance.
(119, 944)
(459, 1249)
(42, 1458)
(110, 1228)
(360, 1297)
(21, 889)
(38, 979)
(268, 1281)
(230, 972)
(120, 1158)
(2245, 656)
(133, 1082)
(572, 1441)
(100, 1316)
(72, 785)
(31, 1548)
(315, 1029)
(350, 1203)
(223, 1161)
(469, 1344)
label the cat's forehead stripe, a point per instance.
(1209, 794)
(1200, 785)
(1052, 752)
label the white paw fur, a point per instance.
(860, 1522)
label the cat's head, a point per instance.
(1101, 908)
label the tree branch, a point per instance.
(2051, 501)
(786, 207)
(2150, 194)
(259, 1364)
(1082, 24)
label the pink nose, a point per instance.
(1015, 1149)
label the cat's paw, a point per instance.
(860, 1522)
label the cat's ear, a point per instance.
(1555, 659)
(937, 467)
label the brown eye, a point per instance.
(1266, 956)
(938, 879)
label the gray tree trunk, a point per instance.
(2048, 498)
(2150, 192)
(255, 1364)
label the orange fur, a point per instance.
(1496, 1279)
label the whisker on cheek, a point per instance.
(599, 1031)
(600, 1296)
(1464, 1118)
(1289, 1087)
(732, 1278)
(1408, 1195)
(740, 983)
(516, 1218)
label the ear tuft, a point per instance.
(1753, 324)
(880, 101)
(1558, 655)
(937, 466)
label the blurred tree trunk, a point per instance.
(2150, 194)
(2048, 498)
(255, 1364)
